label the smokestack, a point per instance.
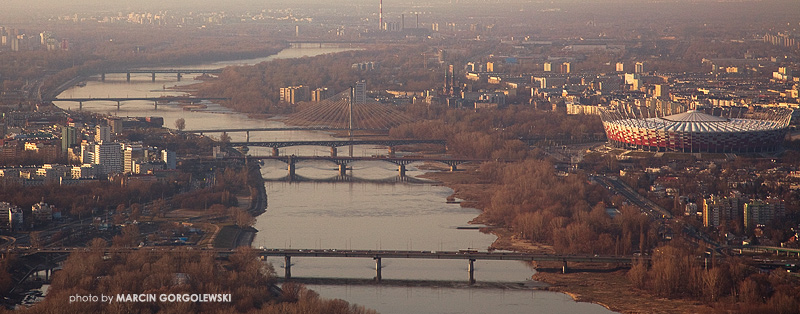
(380, 15)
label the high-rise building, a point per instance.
(718, 210)
(169, 158)
(133, 153)
(102, 134)
(566, 67)
(294, 94)
(360, 92)
(11, 216)
(69, 138)
(87, 152)
(620, 67)
(639, 67)
(661, 91)
(548, 67)
(489, 66)
(758, 212)
(109, 156)
(5, 214)
(320, 94)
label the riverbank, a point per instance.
(597, 284)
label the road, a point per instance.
(656, 212)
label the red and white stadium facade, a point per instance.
(696, 132)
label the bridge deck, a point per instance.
(165, 98)
(333, 143)
(457, 255)
(281, 129)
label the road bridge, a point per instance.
(333, 144)
(342, 162)
(179, 72)
(119, 100)
(377, 255)
(248, 130)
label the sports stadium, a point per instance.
(694, 131)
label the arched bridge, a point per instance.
(342, 162)
(335, 143)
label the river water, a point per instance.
(352, 215)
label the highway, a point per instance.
(654, 211)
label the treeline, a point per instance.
(567, 212)
(242, 275)
(85, 198)
(731, 285)
(493, 134)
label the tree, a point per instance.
(224, 137)
(180, 124)
(241, 217)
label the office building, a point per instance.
(168, 157)
(102, 134)
(134, 153)
(294, 94)
(360, 92)
(69, 138)
(639, 67)
(108, 156)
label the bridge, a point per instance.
(248, 130)
(179, 72)
(333, 144)
(377, 255)
(119, 100)
(342, 162)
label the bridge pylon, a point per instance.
(377, 268)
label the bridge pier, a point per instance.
(179, 76)
(247, 136)
(128, 77)
(291, 168)
(118, 103)
(564, 268)
(80, 105)
(288, 267)
(155, 105)
(471, 269)
(401, 169)
(453, 168)
(343, 170)
(391, 151)
(154, 76)
(275, 152)
(102, 77)
(377, 269)
(333, 151)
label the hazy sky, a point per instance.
(16, 10)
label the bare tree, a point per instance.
(180, 124)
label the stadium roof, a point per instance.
(694, 116)
(695, 121)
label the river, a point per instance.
(398, 216)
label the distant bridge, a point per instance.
(119, 100)
(378, 255)
(248, 130)
(333, 144)
(342, 162)
(179, 72)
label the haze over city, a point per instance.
(444, 156)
